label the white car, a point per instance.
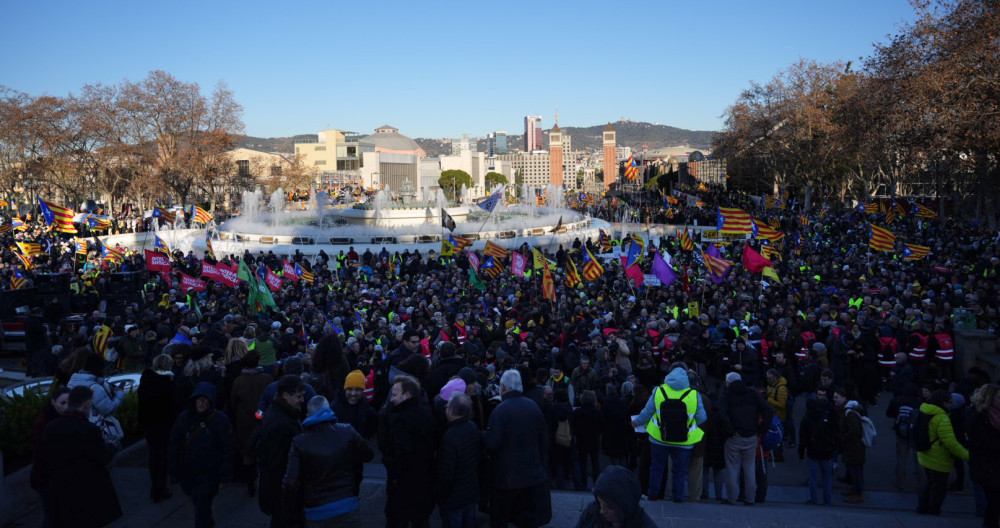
(129, 382)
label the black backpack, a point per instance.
(905, 420)
(920, 433)
(673, 418)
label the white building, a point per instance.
(533, 167)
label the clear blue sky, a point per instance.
(441, 68)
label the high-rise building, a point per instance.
(556, 156)
(532, 133)
(462, 144)
(610, 166)
(497, 143)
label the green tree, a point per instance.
(493, 178)
(451, 180)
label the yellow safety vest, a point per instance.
(695, 433)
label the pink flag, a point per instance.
(190, 283)
(156, 261)
(273, 281)
(517, 263)
(210, 272)
(473, 259)
(289, 270)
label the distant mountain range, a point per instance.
(630, 133)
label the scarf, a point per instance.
(559, 379)
(994, 415)
(168, 373)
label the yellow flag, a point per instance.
(768, 271)
(539, 259)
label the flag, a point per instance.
(772, 202)
(869, 207)
(31, 249)
(333, 327)
(922, 211)
(572, 275)
(762, 231)
(210, 272)
(273, 280)
(189, 283)
(473, 259)
(243, 271)
(288, 269)
(5, 228)
(915, 252)
(592, 270)
(25, 261)
(733, 221)
(81, 247)
(208, 246)
(491, 267)
(447, 221)
(157, 262)
(663, 271)
(452, 245)
(495, 250)
(642, 245)
(112, 254)
(770, 273)
(548, 285)
(753, 261)
(539, 259)
(804, 220)
(100, 342)
(633, 272)
(4, 203)
(58, 217)
(557, 227)
(475, 281)
(18, 280)
(518, 263)
(306, 276)
(880, 238)
(97, 223)
(167, 216)
(685, 238)
(631, 169)
(770, 253)
(160, 245)
(634, 253)
(717, 266)
(604, 242)
(490, 203)
(200, 215)
(18, 224)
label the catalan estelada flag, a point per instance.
(18, 224)
(604, 242)
(631, 169)
(869, 207)
(491, 267)
(167, 216)
(495, 250)
(304, 274)
(18, 280)
(717, 266)
(592, 270)
(770, 253)
(160, 245)
(572, 275)
(773, 202)
(880, 239)
(200, 215)
(804, 220)
(101, 338)
(922, 211)
(31, 249)
(733, 221)
(208, 246)
(97, 223)
(25, 261)
(5, 228)
(58, 217)
(685, 238)
(112, 254)
(915, 252)
(762, 231)
(81, 247)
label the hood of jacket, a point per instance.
(85, 379)
(205, 389)
(321, 416)
(678, 379)
(931, 410)
(620, 488)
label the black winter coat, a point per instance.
(201, 451)
(280, 425)
(587, 426)
(617, 429)
(518, 441)
(817, 436)
(361, 416)
(457, 471)
(744, 412)
(79, 485)
(406, 439)
(158, 405)
(984, 452)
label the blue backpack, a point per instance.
(772, 438)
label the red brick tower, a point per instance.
(555, 156)
(610, 167)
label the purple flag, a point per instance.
(663, 271)
(714, 251)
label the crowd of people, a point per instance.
(481, 393)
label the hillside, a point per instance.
(630, 133)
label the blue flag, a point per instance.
(490, 203)
(634, 252)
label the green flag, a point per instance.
(243, 273)
(474, 280)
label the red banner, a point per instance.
(273, 281)
(156, 261)
(289, 270)
(227, 275)
(190, 283)
(210, 272)
(473, 259)
(874, 291)
(517, 263)
(942, 269)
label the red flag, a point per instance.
(517, 263)
(211, 272)
(635, 273)
(156, 261)
(289, 270)
(548, 285)
(227, 275)
(754, 262)
(273, 281)
(473, 260)
(166, 277)
(190, 283)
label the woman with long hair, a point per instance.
(55, 407)
(984, 450)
